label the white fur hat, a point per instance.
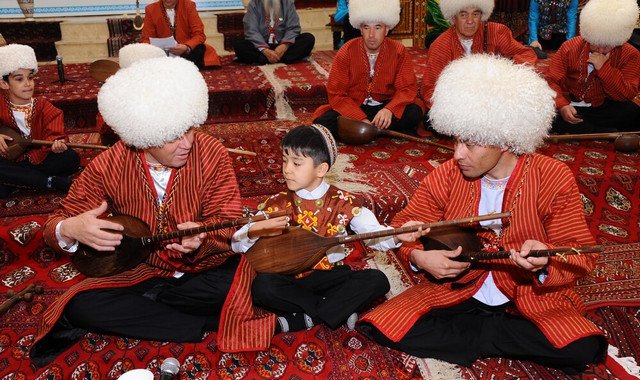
(491, 101)
(131, 53)
(154, 101)
(365, 11)
(14, 57)
(450, 8)
(608, 22)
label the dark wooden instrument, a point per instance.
(25, 294)
(138, 21)
(137, 243)
(356, 132)
(626, 142)
(297, 249)
(19, 144)
(102, 69)
(452, 237)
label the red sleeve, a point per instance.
(405, 84)
(621, 80)
(196, 27)
(339, 83)
(438, 57)
(556, 72)
(149, 28)
(48, 124)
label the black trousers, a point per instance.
(328, 296)
(471, 330)
(162, 309)
(196, 55)
(246, 52)
(609, 117)
(24, 174)
(408, 123)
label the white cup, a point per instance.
(137, 374)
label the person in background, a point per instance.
(596, 75)
(32, 118)
(342, 16)
(272, 34)
(551, 22)
(372, 78)
(517, 307)
(470, 33)
(180, 19)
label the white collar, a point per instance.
(316, 193)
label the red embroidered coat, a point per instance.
(47, 123)
(394, 79)
(189, 29)
(244, 327)
(447, 47)
(618, 79)
(203, 190)
(543, 198)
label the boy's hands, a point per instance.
(4, 148)
(58, 146)
(268, 227)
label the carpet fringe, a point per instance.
(343, 176)
(623, 367)
(317, 66)
(283, 109)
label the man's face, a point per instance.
(475, 161)
(467, 22)
(373, 34)
(173, 154)
(20, 86)
(169, 4)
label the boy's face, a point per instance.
(20, 86)
(300, 172)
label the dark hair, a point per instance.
(5, 78)
(307, 141)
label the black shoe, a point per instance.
(294, 322)
(541, 54)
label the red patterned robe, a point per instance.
(203, 190)
(543, 197)
(189, 29)
(447, 47)
(327, 216)
(394, 80)
(47, 123)
(618, 79)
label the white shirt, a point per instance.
(466, 44)
(22, 122)
(363, 223)
(171, 13)
(373, 57)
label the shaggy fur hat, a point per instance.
(608, 22)
(154, 101)
(491, 101)
(14, 57)
(450, 8)
(131, 53)
(366, 11)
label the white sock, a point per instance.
(351, 321)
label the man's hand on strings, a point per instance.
(532, 264)
(89, 229)
(189, 243)
(439, 263)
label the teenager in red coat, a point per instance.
(32, 118)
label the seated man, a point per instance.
(372, 77)
(518, 307)
(597, 74)
(470, 33)
(32, 118)
(272, 34)
(179, 19)
(171, 177)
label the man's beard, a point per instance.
(272, 8)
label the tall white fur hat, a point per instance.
(366, 11)
(14, 57)
(154, 101)
(608, 22)
(450, 8)
(131, 53)
(491, 101)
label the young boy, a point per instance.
(330, 293)
(34, 118)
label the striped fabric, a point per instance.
(543, 197)
(394, 79)
(47, 123)
(447, 47)
(618, 79)
(203, 190)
